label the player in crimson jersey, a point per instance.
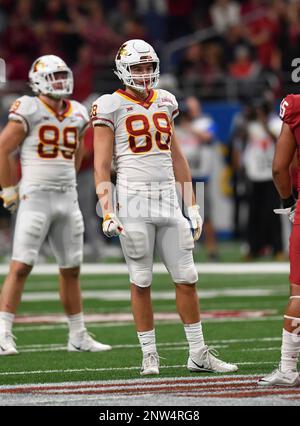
(48, 130)
(287, 145)
(134, 127)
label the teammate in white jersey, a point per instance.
(48, 130)
(134, 127)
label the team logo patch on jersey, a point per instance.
(167, 101)
(79, 116)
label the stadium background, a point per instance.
(230, 55)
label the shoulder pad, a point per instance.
(26, 106)
(108, 104)
(166, 96)
(80, 108)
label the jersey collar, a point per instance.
(146, 103)
(61, 116)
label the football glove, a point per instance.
(196, 220)
(289, 208)
(111, 226)
(10, 198)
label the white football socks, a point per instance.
(289, 351)
(194, 336)
(76, 323)
(6, 322)
(147, 341)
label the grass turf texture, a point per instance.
(38, 364)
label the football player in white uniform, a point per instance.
(134, 127)
(48, 130)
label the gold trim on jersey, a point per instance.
(146, 103)
(60, 116)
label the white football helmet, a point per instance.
(42, 77)
(135, 52)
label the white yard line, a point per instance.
(171, 345)
(203, 268)
(124, 295)
(77, 370)
(62, 348)
(99, 326)
(94, 370)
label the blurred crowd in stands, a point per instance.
(210, 50)
(252, 40)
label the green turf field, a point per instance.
(253, 343)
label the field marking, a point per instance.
(64, 326)
(132, 385)
(164, 347)
(156, 391)
(160, 316)
(146, 400)
(190, 391)
(95, 370)
(124, 295)
(165, 344)
(278, 348)
(232, 391)
(58, 348)
(159, 268)
(100, 284)
(201, 388)
(137, 381)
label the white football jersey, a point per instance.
(143, 131)
(48, 151)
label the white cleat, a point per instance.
(205, 361)
(278, 378)
(83, 342)
(7, 344)
(150, 364)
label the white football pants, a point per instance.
(54, 214)
(155, 221)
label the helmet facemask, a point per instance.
(139, 82)
(60, 84)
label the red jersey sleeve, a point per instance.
(290, 111)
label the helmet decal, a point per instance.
(38, 66)
(122, 52)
